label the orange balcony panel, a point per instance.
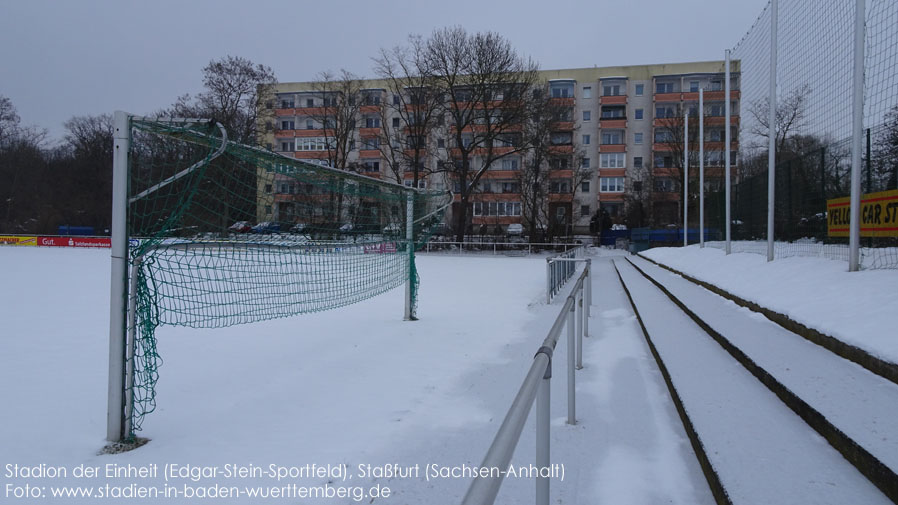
(562, 101)
(411, 153)
(497, 197)
(311, 155)
(313, 111)
(613, 148)
(501, 174)
(613, 100)
(369, 109)
(668, 97)
(560, 197)
(564, 126)
(284, 133)
(611, 197)
(373, 175)
(612, 172)
(561, 173)
(719, 120)
(665, 147)
(613, 123)
(369, 153)
(667, 121)
(667, 172)
(284, 112)
(667, 196)
(314, 133)
(561, 149)
(369, 132)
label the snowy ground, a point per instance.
(859, 308)
(351, 386)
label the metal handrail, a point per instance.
(559, 269)
(536, 386)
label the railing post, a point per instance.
(543, 401)
(581, 320)
(548, 281)
(571, 398)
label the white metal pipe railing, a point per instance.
(535, 388)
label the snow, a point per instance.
(859, 308)
(351, 386)
(750, 436)
(858, 402)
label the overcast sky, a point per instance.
(63, 58)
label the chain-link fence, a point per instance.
(814, 70)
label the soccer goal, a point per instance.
(210, 233)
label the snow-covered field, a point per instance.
(354, 386)
(859, 308)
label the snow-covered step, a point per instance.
(759, 449)
(852, 407)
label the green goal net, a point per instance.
(221, 233)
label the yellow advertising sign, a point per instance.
(879, 215)
(17, 240)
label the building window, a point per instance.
(611, 90)
(584, 187)
(562, 89)
(497, 208)
(286, 147)
(509, 164)
(372, 122)
(664, 87)
(584, 210)
(611, 184)
(716, 85)
(587, 115)
(268, 188)
(665, 111)
(310, 125)
(637, 186)
(662, 161)
(268, 210)
(395, 122)
(611, 160)
(584, 163)
(395, 99)
(717, 110)
(370, 166)
(287, 125)
(586, 140)
(637, 162)
(441, 143)
(614, 112)
(311, 144)
(638, 113)
(637, 138)
(559, 185)
(612, 137)
(663, 135)
(640, 88)
(693, 86)
(665, 184)
(370, 144)
(587, 91)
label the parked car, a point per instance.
(347, 228)
(240, 227)
(515, 229)
(299, 228)
(267, 227)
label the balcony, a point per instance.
(369, 109)
(562, 101)
(613, 100)
(369, 132)
(561, 149)
(668, 97)
(613, 148)
(615, 123)
(369, 153)
(285, 112)
(284, 133)
(318, 132)
(564, 126)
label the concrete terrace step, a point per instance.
(755, 449)
(853, 408)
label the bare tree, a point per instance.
(486, 85)
(338, 115)
(791, 116)
(415, 101)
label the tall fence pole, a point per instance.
(571, 359)
(409, 236)
(701, 167)
(686, 178)
(118, 296)
(543, 420)
(726, 155)
(854, 230)
(771, 129)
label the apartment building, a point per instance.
(622, 127)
